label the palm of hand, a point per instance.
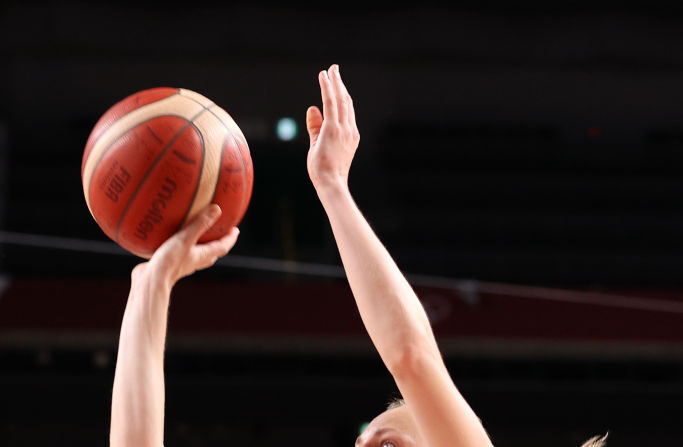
(182, 255)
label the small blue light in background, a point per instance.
(286, 129)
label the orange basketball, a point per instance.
(158, 157)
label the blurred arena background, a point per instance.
(521, 162)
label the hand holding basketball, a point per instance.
(182, 254)
(333, 133)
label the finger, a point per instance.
(340, 94)
(351, 113)
(200, 224)
(352, 116)
(207, 254)
(329, 101)
(314, 121)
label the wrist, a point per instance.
(150, 279)
(331, 188)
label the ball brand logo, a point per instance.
(117, 183)
(155, 213)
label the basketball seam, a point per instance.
(151, 168)
(244, 164)
(211, 103)
(239, 151)
(244, 170)
(118, 137)
(199, 177)
(220, 162)
(123, 116)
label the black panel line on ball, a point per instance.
(199, 178)
(244, 164)
(220, 170)
(239, 151)
(97, 163)
(123, 116)
(180, 93)
(151, 168)
(244, 171)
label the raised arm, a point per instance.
(391, 312)
(137, 415)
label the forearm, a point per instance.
(138, 395)
(137, 414)
(399, 328)
(391, 312)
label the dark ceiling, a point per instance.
(530, 145)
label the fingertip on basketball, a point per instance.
(214, 211)
(230, 239)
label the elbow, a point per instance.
(412, 359)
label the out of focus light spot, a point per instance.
(362, 427)
(101, 359)
(43, 357)
(286, 129)
(594, 132)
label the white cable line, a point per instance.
(61, 243)
(467, 288)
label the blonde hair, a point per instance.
(395, 403)
(596, 441)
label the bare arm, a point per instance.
(391, 312)
(137, 416)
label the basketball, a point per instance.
(157, 158)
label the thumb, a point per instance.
(314, 121)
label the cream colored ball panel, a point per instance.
(173, 105)
(203, 100)
(214, 134)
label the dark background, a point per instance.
(520, 161)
